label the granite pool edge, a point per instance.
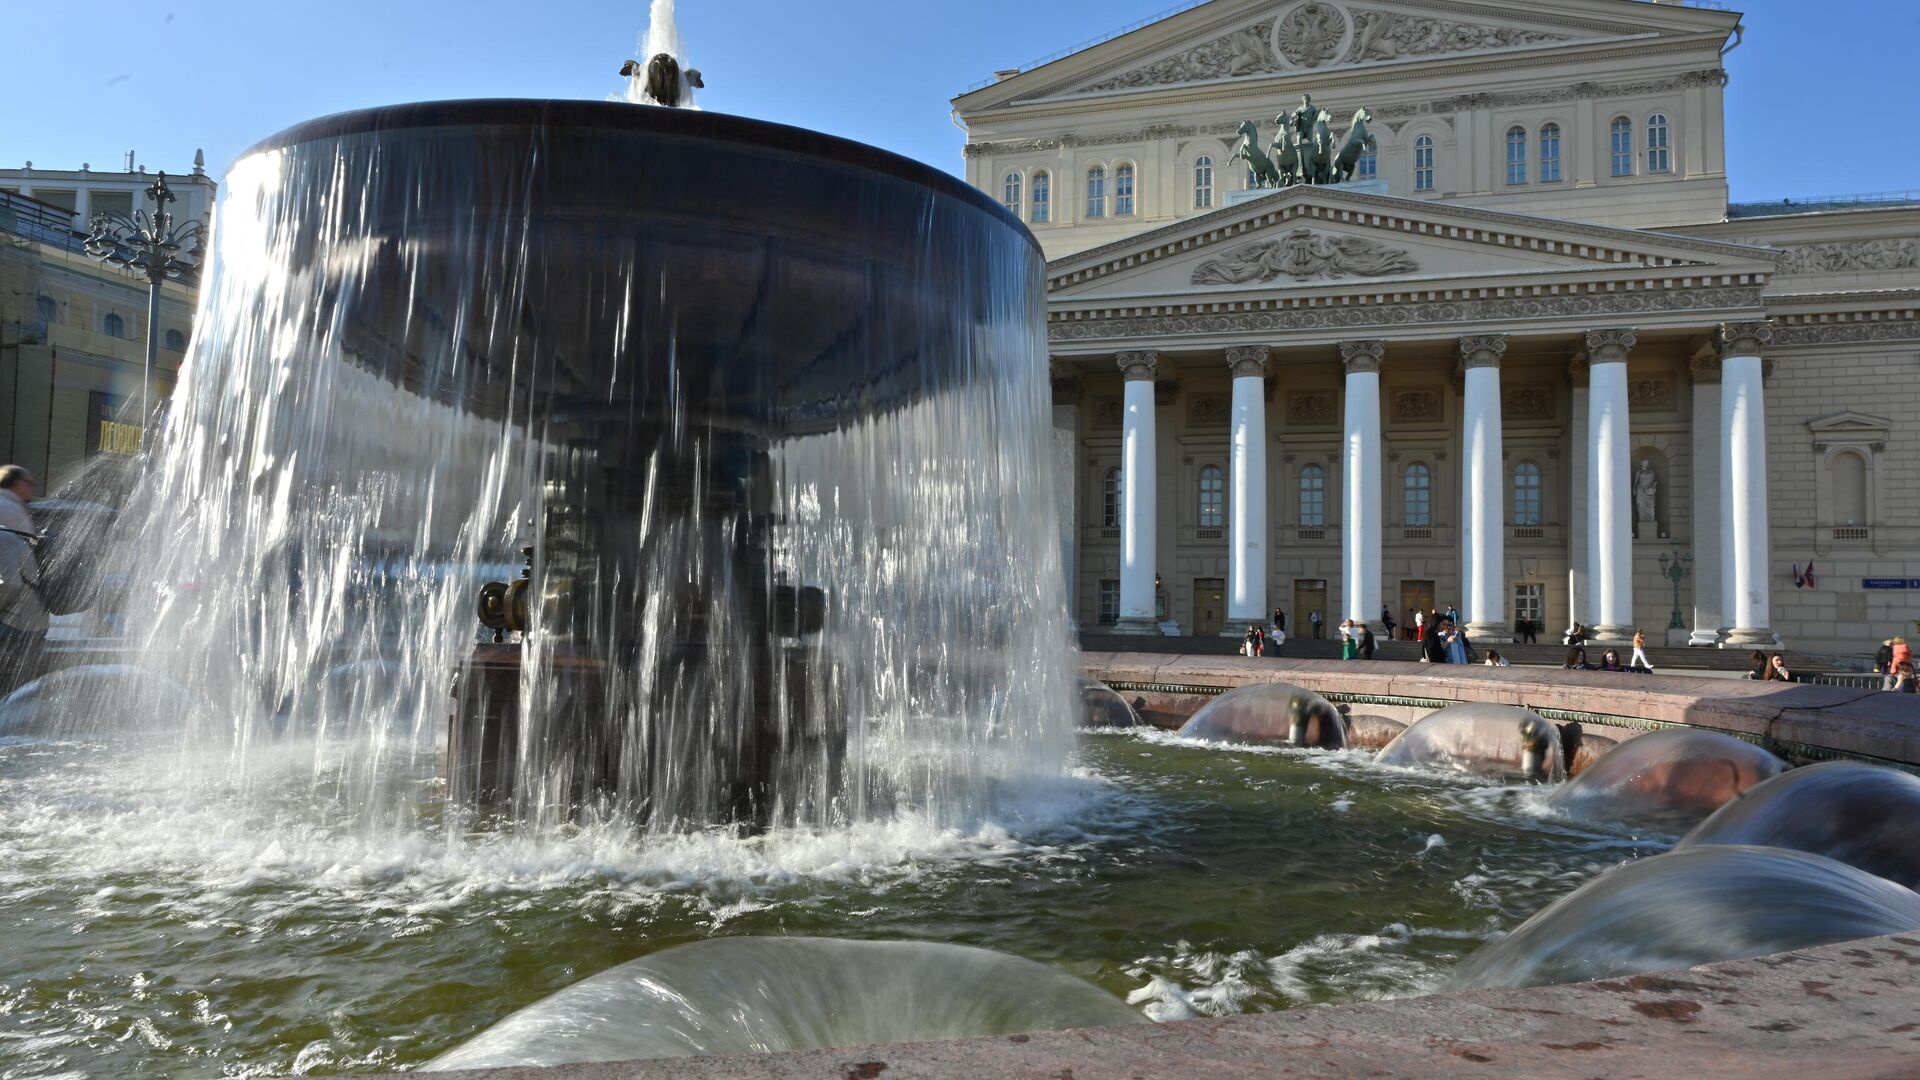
(1848, 1010)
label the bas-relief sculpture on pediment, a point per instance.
(1301, 254)
(1316, 34)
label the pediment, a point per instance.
(1321, 236)
(1230, 40)
(1850, 426)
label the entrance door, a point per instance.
(1309, 595)
(1414, 596)
(1209, 606)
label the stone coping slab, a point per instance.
(1800, 719)
(1849, 1011)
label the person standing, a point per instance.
(1279, 619)
(1249, 645)
(1386, 620)
(1640, 649)
(1419, 625)
(1902, 654)
(1274, 641)
(1883, 664)
(23, 616)
(1314, 618)
(1349, 640)
(1529, 631)
(1367, 643)
(1777, 669)
(1453, 614)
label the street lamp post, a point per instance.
(149, 244)
(1674, 569)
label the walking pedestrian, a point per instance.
(1349, 641)
(1640, 649)
(1274, 641)
(1366, 642)
(23, 615)
(1386, 620)
(1883, 664)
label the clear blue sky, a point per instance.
(1812, 86)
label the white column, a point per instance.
(1610, 492)
(1066, 494)
(1360, 479)
(1579, 599)
(1247, 553)
(1483, 520)
(1743, 416)
(1708, 618)
(1139, 521)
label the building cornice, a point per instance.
(1389, 213)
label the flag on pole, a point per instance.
(1799, 582)
(1810, 582)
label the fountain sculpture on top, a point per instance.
(757, 417)
(662, 78)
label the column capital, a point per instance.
(1482, 350)
(1705, 366)
(1247, 361)
(1743, 338)
(1579, 370)
(1363, 355)
(1138, 366)
(1610, 346)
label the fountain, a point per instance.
(600, 561)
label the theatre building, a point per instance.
(1528, 360)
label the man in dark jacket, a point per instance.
(1366, 642)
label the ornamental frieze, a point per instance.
(1850, 256)
(1389, 35)
(1651, 393)
(1529, 401)
(1494, 309)
(1302, 254)
(1309, 408)
(1422, 403)
(1396, 113)
(1847, 333)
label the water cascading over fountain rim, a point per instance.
(625, 119)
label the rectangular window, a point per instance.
(1423, 163)
(1313, 499)
(1659, 150)
(1530, 604)
(1123, 191)
(1549, 154)
(1516, 156)
(1369, 164)
(1109, 602)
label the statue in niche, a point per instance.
(1646, 496)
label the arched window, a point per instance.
(1097, 191)
(1123, 190)
(1526, 494)
(1110, 500)
(176, 340)
(1659, 147)
(1369, 166)
(1849, 489)
(1419, 496)
(1516, 155)
(1213, 497)
(1042, 196)
(1313, 497)
(1621, 141)
(1423, 163)
(1203, 183)
(115, 326)
(1010, 195)
(1550, 153)
(46, 309)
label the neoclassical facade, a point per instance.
(1532, 363)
